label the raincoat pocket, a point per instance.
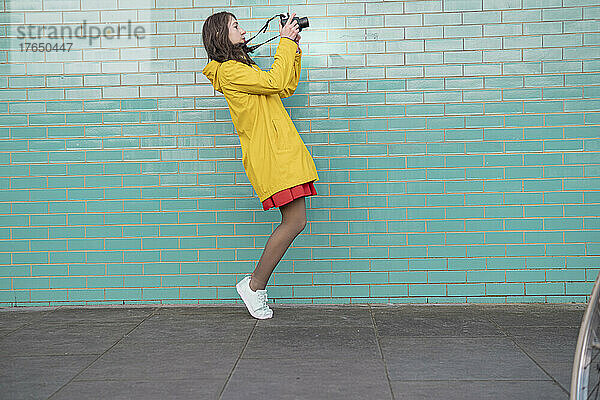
(279, 137)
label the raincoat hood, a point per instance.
(210, 71)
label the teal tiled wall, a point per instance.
(457, 144)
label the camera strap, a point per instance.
(250, 49)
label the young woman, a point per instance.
(275, 159)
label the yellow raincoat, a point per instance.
(273, 153)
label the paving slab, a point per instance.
(313, 342)
(96, 315)
(445, 321)
(341, 316)
(62, 339)
(547, 344)
(336, 379)
(447, 358)
(13, 318)
(176, 389)
(193, 328)
(164, 362)
(536, 315)
(37, 377)
(478, 390)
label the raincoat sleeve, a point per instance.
(293, 83)
(244, 78)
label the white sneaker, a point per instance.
(255, 301)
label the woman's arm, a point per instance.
(293, 83)
(243, 78)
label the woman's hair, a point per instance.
(215, 35)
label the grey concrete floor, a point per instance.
(305, 352)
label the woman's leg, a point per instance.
(293, 221)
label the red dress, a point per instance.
(288, 195)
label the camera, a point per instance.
(302, 22)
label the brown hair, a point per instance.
(215, 35)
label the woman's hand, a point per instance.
(291, 29)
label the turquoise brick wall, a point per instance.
(457, 144)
